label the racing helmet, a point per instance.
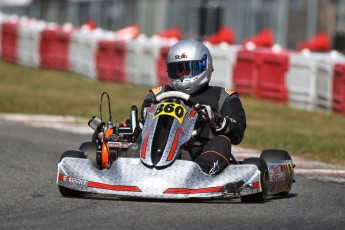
(189, 66)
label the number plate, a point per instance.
(172, 109)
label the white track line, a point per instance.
(320, 171)
(64, 123)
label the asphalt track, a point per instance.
(29, 198)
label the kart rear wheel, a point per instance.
(273, 155)
(90, 151)
(66, 191)
(264, 180)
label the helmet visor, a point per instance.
(177, 70)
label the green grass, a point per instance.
(312, 134)
(31, 91)
(270, 125)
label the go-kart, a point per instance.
(158, 167)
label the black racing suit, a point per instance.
(211, 149)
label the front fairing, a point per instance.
(168, 125)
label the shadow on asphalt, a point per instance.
(288, 196)
(225, 201)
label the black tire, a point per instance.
(272, 155)
(66, 192)
(264, 180)
(90, 151)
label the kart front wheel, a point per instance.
(66, 191)
(264, 180)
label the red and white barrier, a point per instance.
(224, 58)
(324, 81)
(84, 45)
(245, 72)
(338, 92)
(162, 74)
(223, 35)
(9, 38)
(3, 18)
(133, 60)
(272, 65)
(111, 60)
(143, 58)
(54, 47)
(304, 80)
(301, 81)
(309, 80)
(29, 38)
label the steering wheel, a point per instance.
(185, 97)
(180, 95)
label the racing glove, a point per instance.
(215, 119)
(218, 123)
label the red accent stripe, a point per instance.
(90, 184)
(193, 191)
(125, 188)
(174, 145)
(143, 147)
(256, 185)
(151, 108)
(61, 176)
(192, 113)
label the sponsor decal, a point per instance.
(91, 184)
(288, 169)
(274, 173)
(215, 168)
(281, 177)
(73, 180)
(232, 119)
(182, 56)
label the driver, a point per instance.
(223, 120)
